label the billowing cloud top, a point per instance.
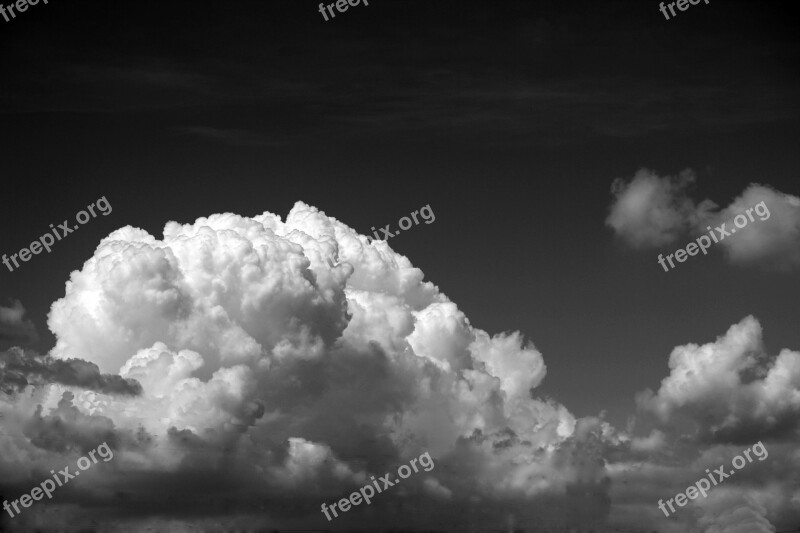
(730, 389)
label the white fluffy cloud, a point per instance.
(730, 389)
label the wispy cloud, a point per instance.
(231, 137)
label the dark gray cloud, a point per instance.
(14, 329)
(66, 428)
(20, 368)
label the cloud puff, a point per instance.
(732, 511)
(772, 239)
(272, 382)
(14, 329)
(730, 389)
(652, 211)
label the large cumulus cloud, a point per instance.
(283, 379)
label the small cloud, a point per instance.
(652, 443)
(14, 330)
(652, 211)
(772, 238)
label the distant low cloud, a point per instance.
(20, 368)
(14, 329)
(772, 240)
(654, 211)
(66, 428)
(734, 511)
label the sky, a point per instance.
(522, 332)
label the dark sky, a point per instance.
(511, 119)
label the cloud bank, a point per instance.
(272, 382)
